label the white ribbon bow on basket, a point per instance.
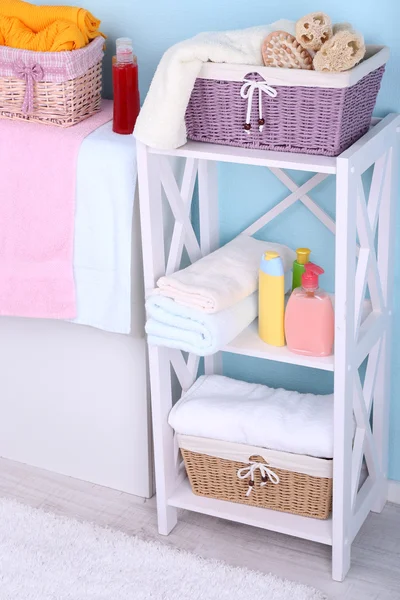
(247, 92)
(265, 471)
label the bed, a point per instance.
(74, 395)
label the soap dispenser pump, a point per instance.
(303, 257)
(309, 318)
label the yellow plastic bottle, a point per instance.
(271, 299)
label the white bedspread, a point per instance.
(105, 192)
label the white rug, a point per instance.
(45, 557)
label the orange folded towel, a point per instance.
(38, 18)
(60, 35)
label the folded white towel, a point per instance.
(224, 277)
(225, 409)
(175, 326)
(161, 123)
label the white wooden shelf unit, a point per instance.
(365, 233)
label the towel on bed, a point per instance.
(161, 123)
(56, 37)
(225, 409)
(38, 168)
(104, 238)
(175, 326)
(224, 277)
(39, 17)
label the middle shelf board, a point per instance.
(248, 343)
(302, 527)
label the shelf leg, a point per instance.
(165, 457)
(381, 422)
(341, 560)
(345, 256)
(209, 232)
(386, 250)
(154, 261)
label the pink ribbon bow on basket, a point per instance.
(30, 73)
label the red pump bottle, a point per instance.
(126, 88)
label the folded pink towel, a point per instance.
(37, 208)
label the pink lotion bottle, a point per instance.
(309, 318)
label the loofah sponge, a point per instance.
(313, 30)
(280, 49)
(342, 52)
(342, 27)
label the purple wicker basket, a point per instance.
(324, 116)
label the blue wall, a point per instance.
(156, 25)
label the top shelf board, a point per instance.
(245, 156)
(375, 137)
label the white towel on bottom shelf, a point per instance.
(225, 409)
(175, 326)
(224, 277)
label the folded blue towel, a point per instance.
(176, 326)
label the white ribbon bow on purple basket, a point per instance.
(247, 92)
(29, 73)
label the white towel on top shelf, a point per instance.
(161, 123)
(224, 277)
(175, 326)
(221, 408)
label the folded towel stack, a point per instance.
(225, 409)
(46, 28)
(58, 36)
(176, 326)
(202, 308)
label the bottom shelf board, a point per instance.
(302, 527)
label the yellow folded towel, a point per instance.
(37, 18)
(60, 35)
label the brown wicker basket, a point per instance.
(63, 104)
(54, 88)
(298, 493)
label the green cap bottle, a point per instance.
(303, 257)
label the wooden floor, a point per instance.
(375, 572)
